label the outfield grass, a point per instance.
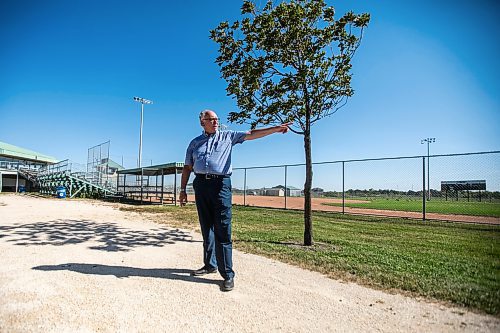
(432, 206)
(452, 262)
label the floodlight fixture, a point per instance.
(428, 140)
(142, 100)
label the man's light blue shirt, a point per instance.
(211, 153)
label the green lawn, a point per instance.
(452, 262)
(432, 206)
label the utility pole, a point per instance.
(142, 101)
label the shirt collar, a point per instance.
(205, 134)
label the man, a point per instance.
(209, 156)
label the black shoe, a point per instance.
(228, 284)
(204, 270)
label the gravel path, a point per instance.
(80, 266)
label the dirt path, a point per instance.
(319, 204)
(80, 266)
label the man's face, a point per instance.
(210, 122)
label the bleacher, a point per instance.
(76, 182)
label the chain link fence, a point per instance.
(454, 187)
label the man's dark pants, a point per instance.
(213, 201)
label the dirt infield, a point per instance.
(86, 266)
(319, 205)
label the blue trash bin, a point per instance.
(22, 188)
(61, 192)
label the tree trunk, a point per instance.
(308, 229)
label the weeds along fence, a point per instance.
(459, 187)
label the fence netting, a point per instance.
(458, 187)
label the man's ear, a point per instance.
(201, 123)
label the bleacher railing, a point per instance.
(79, 171)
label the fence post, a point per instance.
(245, 188)
(423, 188)
(175, 186)
(124, 184)
(142, 178)
(163, 184)
(343, 190)
(285, 185)
(117, 183)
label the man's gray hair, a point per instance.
(204, 112)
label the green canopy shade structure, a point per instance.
(15, 152)
(19, 167)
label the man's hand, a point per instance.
(262, 132)
(186, 171)
(283, 128)
(183, 198)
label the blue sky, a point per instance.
(69, 71)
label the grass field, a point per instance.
(451, 262)
(432, 206)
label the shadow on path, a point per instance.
(124, 272)
(109, 236)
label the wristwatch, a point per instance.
(183, 190)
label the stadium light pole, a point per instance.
(428, 141)
(142, 101)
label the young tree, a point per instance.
(289, 62)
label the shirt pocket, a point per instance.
(200, 155)
(220, 149)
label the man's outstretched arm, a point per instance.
(262, 132)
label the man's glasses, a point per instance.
(212, 119)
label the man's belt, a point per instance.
(210, 176)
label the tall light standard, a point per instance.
(429, 141)
(142, 101)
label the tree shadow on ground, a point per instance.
(125, 272)
(107, 236)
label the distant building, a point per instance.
(317, 192)
(293, 191)
(109, 167)
(107, 172)
(275, 192)
(18, 167)
(279, 191)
